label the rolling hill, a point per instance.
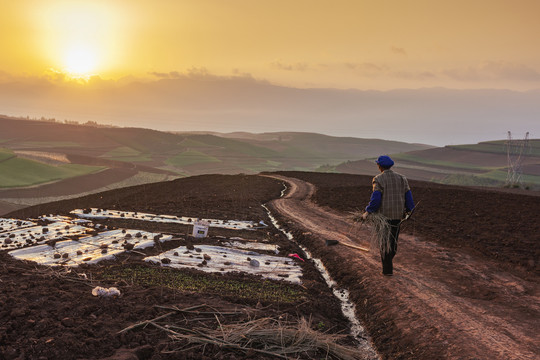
(186, 153)
(47, 160)
(59, 159)
(482, 164)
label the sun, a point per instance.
(84, 38)
(80, 61)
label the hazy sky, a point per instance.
(363, 44)
(235, 65)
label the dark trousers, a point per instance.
(388, 267)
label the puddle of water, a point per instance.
(222, 259)
(285, 188)
(117, 214)
(347, 307)
(252, 246)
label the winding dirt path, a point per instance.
(440, 304)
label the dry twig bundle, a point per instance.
(356, 216)
(380, 229)
(273, 337)
(268, 336)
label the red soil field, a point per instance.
(50, 313)
(465, 284)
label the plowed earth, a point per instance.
(50, 313)
(465, 282)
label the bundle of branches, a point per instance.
(380, 229)
(271, 337)
(268, 336)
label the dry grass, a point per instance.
(278, 338)
(274, 337)
(380, 229)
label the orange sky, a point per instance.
(362, 44)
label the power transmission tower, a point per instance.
(515, 151)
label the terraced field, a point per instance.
(483, 164)
(21, 172)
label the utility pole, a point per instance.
(515, 151)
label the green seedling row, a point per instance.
(262, 290)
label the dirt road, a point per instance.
(442, 303)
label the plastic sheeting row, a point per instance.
(94, 213)
(90, 249)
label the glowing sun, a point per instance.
(80, 61)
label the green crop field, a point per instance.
(440, 163)
(191, 157)
(500, 175)
(144, 140)
(496, 178)
(499, 147)
(6, 154)
(50, 144)
(256, 167)
(18, 172)
(469, 180)
(140, 158)
(190, 143)
(127, 154)
(235, 146)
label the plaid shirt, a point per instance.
(393, 187)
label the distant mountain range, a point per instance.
(225, 104)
